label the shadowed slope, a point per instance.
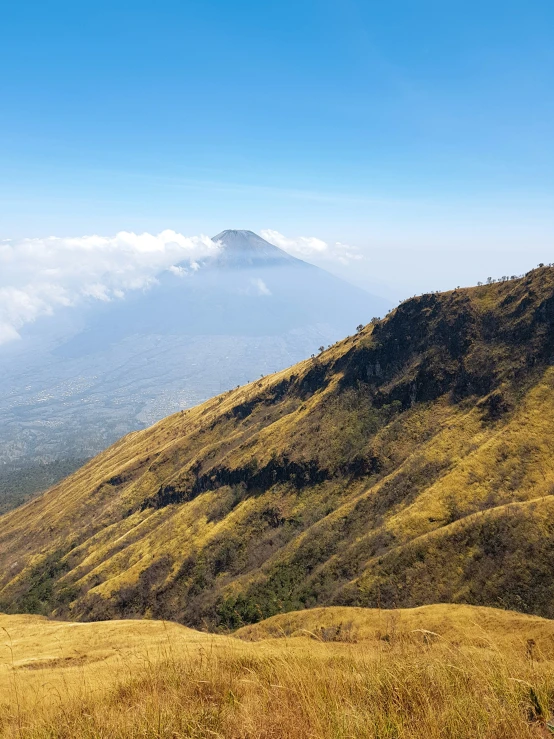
(408, 464)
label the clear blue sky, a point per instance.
(421, 132)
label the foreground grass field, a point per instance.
(436, 671)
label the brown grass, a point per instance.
(488, 674)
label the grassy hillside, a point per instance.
(20, 482)
(460, 625)
(446, 671)
(410, 464)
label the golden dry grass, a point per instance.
(437, 671)
(467, 626)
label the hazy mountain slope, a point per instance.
(85, 379)
(409, 464)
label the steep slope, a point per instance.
(412, 463)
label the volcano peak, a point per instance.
(247, 246)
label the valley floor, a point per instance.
(436, 671)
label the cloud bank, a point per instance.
(310, 247)
(38, 276)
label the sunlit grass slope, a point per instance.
(33, 646)
(461, 625)
(410, 464)
(436, 671)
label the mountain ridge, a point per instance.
(407, 464)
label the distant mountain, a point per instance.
(245, 249)
(203, 328)
(250, 288)
(409, 464)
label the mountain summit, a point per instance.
(250, 287)
(245, 248)
(411, 463)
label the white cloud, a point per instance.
(178, 271)
(7, 333)
(310, 247)
(97, 291)
(37, 276)
(261, 287)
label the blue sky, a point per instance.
(420, 132)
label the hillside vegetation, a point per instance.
(409, 464)
(446, 671)
(20, 482)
